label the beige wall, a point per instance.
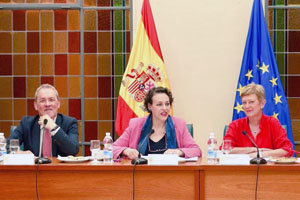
(202, 43)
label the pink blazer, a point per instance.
(131, 136)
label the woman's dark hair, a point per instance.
(157, 90)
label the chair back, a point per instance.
(190, 129)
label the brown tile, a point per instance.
(74, 64)
(30, 108)
(91, 3)
(61, 40)
(104, 20)
(59, 1)
(19, 43)
(33, 20)
(90, 20)
(90, 64)
(90, 41)
(33, 41)
(61, 64)
(33, 62)
(47, 79)
(293, 86)
(19, 20)
(6, 87)
(90, 87)
(74, 20)
(5, 42)
(47, 64)
(104, 127)
(128, 47)
(293, 63)
(46, 20)
(105, 109)
(19, 64)
(74, 87)
(18, 1)
(294, 105)
(103, 3)
(19, 108)
(5, 22)
(61, 84)
(19, 85)
(63, 106)
(104, 42)
(60, 20)
(46, 1)
(104, 64)
(79, 130)
(6, 109)
(46, 42)
(5, 128)
(104, 87)
(72, 1)
(91, 130)
(90, 109)
(296, 130)
(32, 84)
(74, 42)
(75, 108)
(6, 64)
(4, 1)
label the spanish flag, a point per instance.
(145, 70)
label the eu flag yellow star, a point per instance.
(277, 98)
(240, 89)
(249, 74)
(275, 115)
(258, 63)
(264, 68)
(273, 81)
(238, 107)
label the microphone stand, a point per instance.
(258, 159)
(140, 160)
(40, 159)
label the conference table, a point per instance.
(189, 180)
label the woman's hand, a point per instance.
(130, 153)
(174, 151)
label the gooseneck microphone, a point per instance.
(140, 160)
(258, 159)
(40, 159)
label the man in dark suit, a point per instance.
(61, 132)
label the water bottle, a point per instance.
(2, 144)
(107, 150)
(212, 149)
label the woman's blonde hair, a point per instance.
(256, 89)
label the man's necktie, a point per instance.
(47, 144)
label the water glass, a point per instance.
(14, 146)
(226, 146)
(95, 149)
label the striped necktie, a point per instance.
(47, 144)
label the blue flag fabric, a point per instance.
(259, 66)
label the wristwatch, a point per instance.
(54, 129)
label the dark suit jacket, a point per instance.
(64, 142)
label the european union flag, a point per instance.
(259, 66)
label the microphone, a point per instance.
(140, 160)
(42, 160)
(258, 159)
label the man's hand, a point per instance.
(50, 122)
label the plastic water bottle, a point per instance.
(212, 149)
(2, 144)
(107, 150)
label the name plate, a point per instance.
(162, 159)
(18, 159)
(235, 159)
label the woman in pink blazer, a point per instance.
(157, 133)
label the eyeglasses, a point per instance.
(157, 150)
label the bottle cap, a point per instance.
(211, 134)
(107, 133)
(1, 134)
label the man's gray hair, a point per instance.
(47, 86)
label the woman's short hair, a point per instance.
(157, 90)
(256, 89)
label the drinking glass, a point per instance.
(226, 147)
(14, 146)
(95, 149)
